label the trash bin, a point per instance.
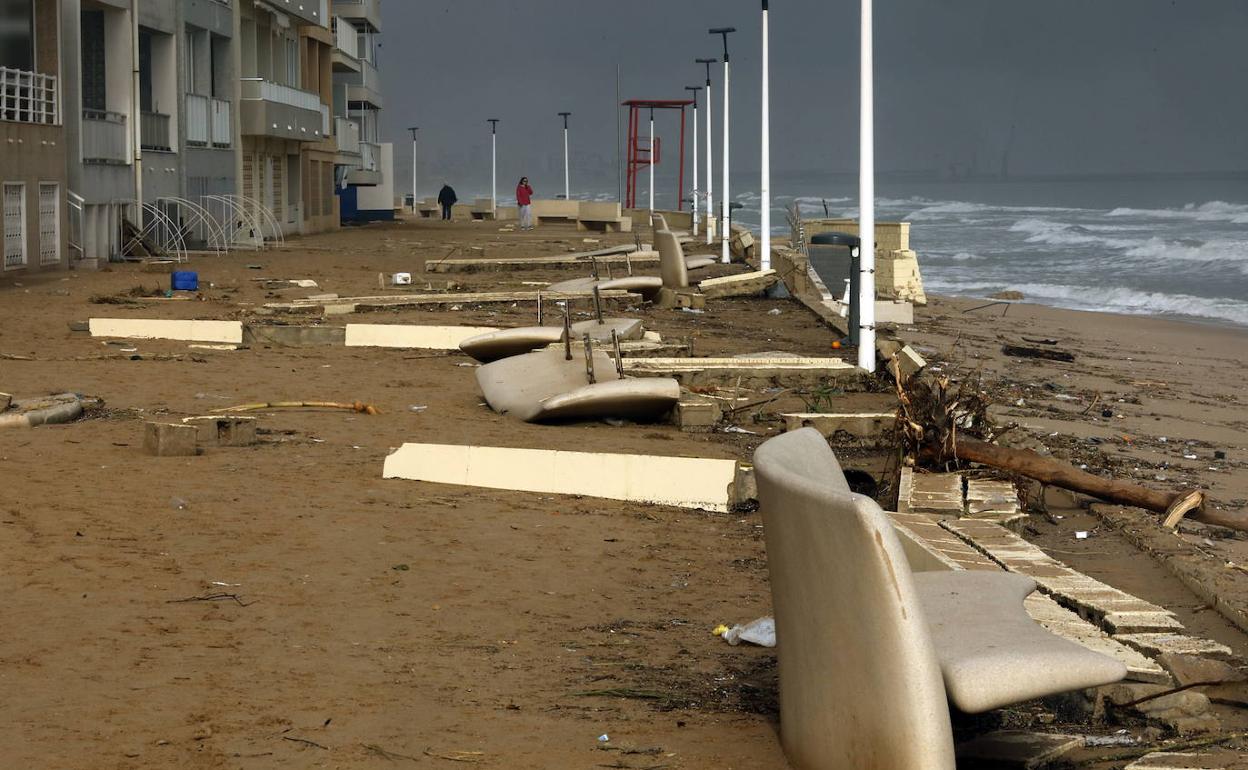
(835, 256)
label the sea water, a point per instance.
(1152, 246)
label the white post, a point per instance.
(494, 166)
(710, 168)
(566, 186)
(414, 129)
(651, 160)
(723, 196)
(866, 199)
(694, 196)
(764, 259)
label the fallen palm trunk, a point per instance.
(355, 406)
(1049, 471)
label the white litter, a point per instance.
(761, 632)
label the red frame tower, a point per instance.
(641, 157)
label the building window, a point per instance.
(17, 36)
(49, 223)
(14, 225)
(93, 62)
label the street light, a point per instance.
(694, 90)
(566, 195)
(723, 197)
(414, 129)
(866, 197)
(710, 169)
(493, 165)
(764, 193)
(652, 160)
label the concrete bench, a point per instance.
(482, 208)
(871, 654)
(602, 216)
(429, 208)
(547, 211)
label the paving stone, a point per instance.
(1156, 644)
(1167, 760)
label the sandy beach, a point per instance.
(374, 623)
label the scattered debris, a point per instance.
(1021, 351)
(355, 406)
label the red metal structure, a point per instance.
(641, 155)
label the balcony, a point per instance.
(28, 97)
(104, 137)
(368, 174)
(154, 131)
(348, 135)
(208, 122)
(366, 89)
(346, 53)
(282, 112)
(310, 11)
(360, 12)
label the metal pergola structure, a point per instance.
(641, 157)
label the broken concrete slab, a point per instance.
(934, 493)
(686, 482)
(695, 415)
(1185, 712)
(411, 336)
(345, 305)
(165, 329)
(623, 254)
(1163, 644)
(293, 336)
(863, 425)
(1170, 760)
(224, 430)
(5, 400)
(905, 364)
(752, 372)
(170, 439)
(741, 285)
(1015, 750)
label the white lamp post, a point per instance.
(764, 192)
(710, 169)
(866, 199)
(493, 165)
(694, 197)
(724, 196)
(651, 160)
(414, 129)
(566, 187)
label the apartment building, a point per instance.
(32, 139)
(367, 174)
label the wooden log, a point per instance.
(1022, 351)
(1057, 473)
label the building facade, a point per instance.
(366, 167)
(33, 171)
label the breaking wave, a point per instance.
(1213, 211)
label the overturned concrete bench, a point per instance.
(871, 655)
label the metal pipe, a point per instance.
(598, 304)
(724, 196)
(619, 357)
(414, 129)
(694, 196)
(589, 359)
(493, 165)
(710, 168)
(566, 187)
(567, 333)
(652, 160)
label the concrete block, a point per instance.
(224, 430)
(742, 285)
(412, 336)
(688, 482)
(863, 425)
(695, 416)
(906, 363)
(1163, 644)
(5, 400)
(897, 312)
(187, 331)
(170, 440)
(293, 336)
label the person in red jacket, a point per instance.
(524, 199)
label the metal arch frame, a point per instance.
(278, 236)
(236, 212)
(155, 223)
(215, 236)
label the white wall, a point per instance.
(380, 197)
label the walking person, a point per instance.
(447, 199)
(524, 199)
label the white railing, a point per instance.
(267, 90)
(345, 39)
(222, 126)
(370, 154)
(326, 121)
(197, 127)
(28, 97)
(208, 121)
(104, 137)
(348, 134)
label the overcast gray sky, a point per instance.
(1087, 85)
